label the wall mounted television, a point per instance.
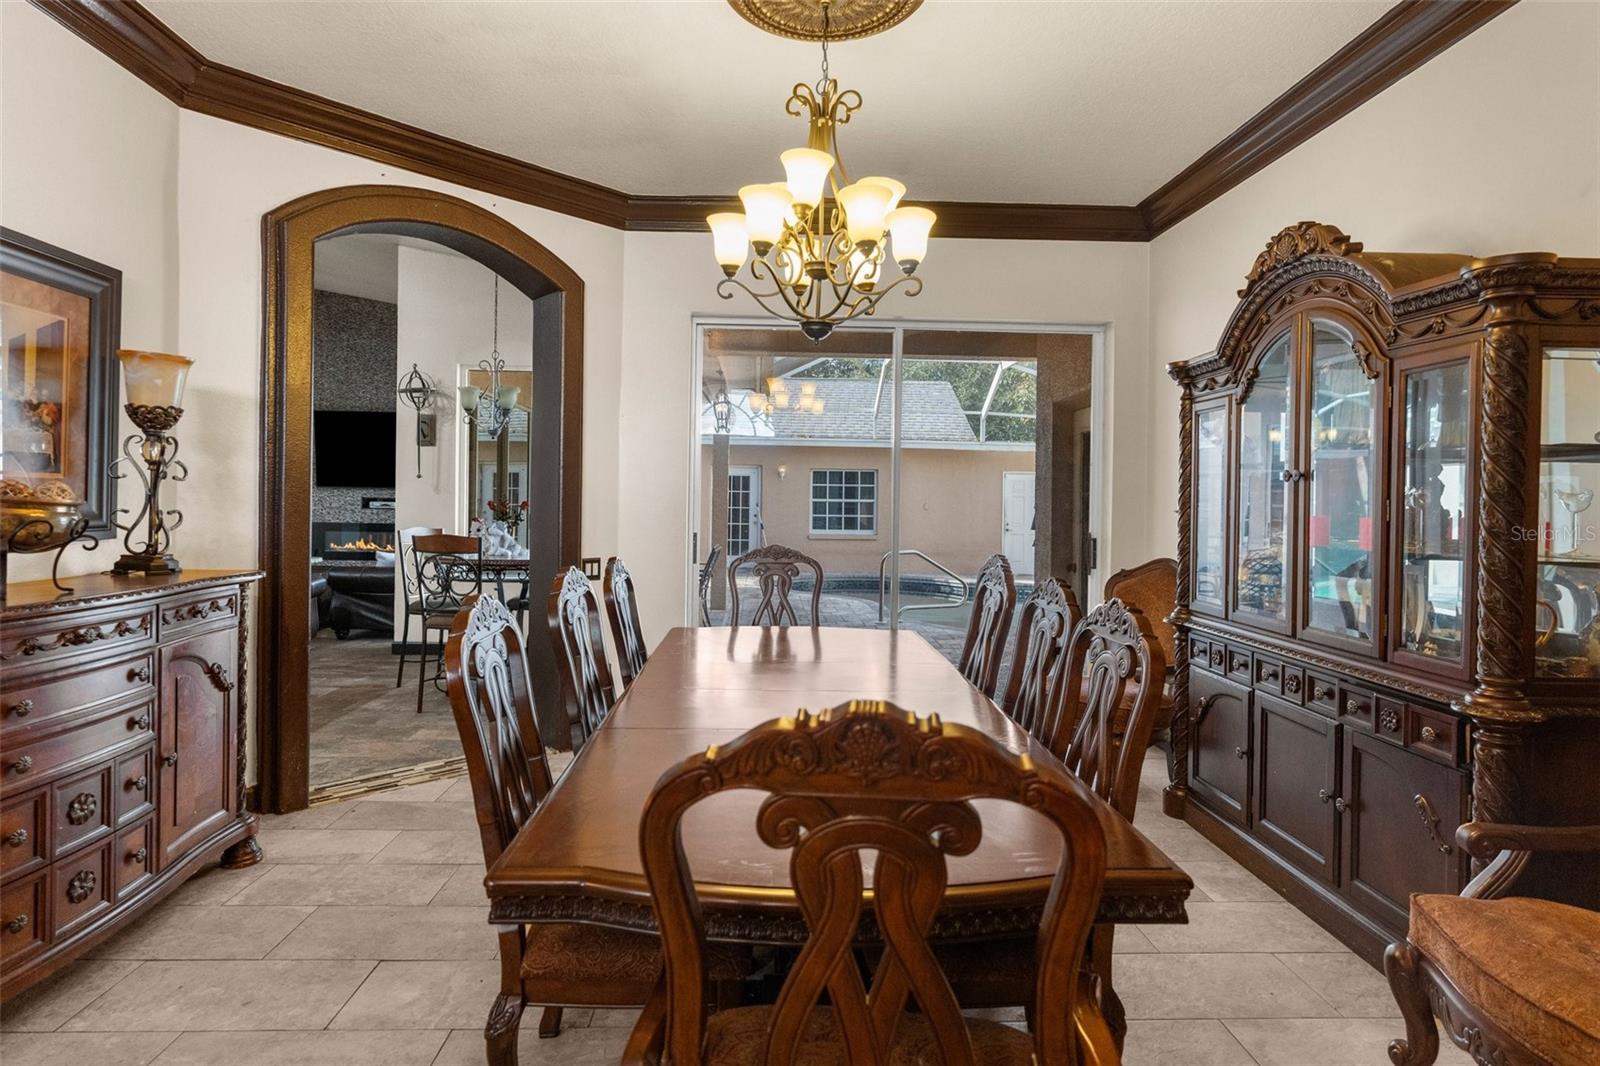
(354, 449)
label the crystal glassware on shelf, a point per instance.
(1575, 502)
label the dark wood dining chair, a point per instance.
(1153, 588)
(449, 569)
(1044, 629)
(1098, 720)
(406, 564)
(993, 599)
(623, 611)
(1516, 980)
(775, 568)
(574, 618)
(869, 777)
(553, 965)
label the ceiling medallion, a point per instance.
(803, 20)
(820, 240)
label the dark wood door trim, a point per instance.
(1406, 37)
(288, 235)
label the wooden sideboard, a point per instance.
(1388, 600)
(122, 727)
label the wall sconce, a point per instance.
(416, 390)
(154, 384)
(783, 471)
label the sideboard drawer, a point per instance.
(1356, 705)
(25, 705)
(28, 644)
(133, 784)
(1431, 733)
(80, 888)
(23, 764)
(22, 917)
(206, 610)
(135, 857)
(24, 834)
(81, 809)
(1322, 692)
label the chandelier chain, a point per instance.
(494, 347)
(822, 85)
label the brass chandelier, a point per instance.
(820, 241)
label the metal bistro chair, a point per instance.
(707, 572)
(623, 611)
(445, 562)
(405, 562)
(993, 598)
(574, 619)
(552, 964)
(870, 777)
(775, 568)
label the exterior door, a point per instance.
(197, 728)
(1017, 531)
(1297, 783)
(1219, 749)
(744, 510)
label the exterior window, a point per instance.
(844, 501)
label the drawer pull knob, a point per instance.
(17, 924)
(1321, 692)
(23, 708)
(17, 837)
(1239, 753)
(1352, 707)
(81, 886)
(82, 808)
(1430, 734)
(141, 855)
(23, 765)
(171, 760)
(140, 783)
(141, 674)
(142, 722)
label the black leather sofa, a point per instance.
(362, 599)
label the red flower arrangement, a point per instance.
(511, 516)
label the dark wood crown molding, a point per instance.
(1407, 36)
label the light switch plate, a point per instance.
(591, 569)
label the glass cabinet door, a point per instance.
(1263, 491)
(1433, 512)
(1339, 596)
(1210, 523)
(1567, 588)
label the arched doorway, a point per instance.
(288, 236)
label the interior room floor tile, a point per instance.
(372, 918)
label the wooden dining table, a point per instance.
(577, 858)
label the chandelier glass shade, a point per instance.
(816, 243)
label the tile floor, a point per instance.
(362, 940)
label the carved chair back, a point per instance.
(775, 568)
(707, 572)
(623, 611)
(491, 696)
(405, 543)
(1153, 588)
(1112, 647)
(869, 777)
(574, 617)
(449, 568)
(992, 602)
(1044, 629)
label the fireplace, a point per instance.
(334, 541)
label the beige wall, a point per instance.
(1491, 147)
(951, 502)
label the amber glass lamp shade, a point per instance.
(154, 379)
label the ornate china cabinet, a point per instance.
(122, 725)
(1388, 600)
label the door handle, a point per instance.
(1202, 708)
(1338, 801)
(1239, 753)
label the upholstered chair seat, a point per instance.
(739, 1038)
(559, 953)
(1530, 964)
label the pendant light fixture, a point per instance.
(490, 419)
(826, 249)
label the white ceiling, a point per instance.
(364, 264)
(1003, 100)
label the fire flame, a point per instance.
(361, 544)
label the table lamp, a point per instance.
(154, 383)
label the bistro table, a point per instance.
(577, 859)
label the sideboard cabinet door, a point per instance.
(196, 740)
(1296, 786)
(1400, 823)
(1220, 744)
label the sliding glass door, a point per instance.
(900, 458)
